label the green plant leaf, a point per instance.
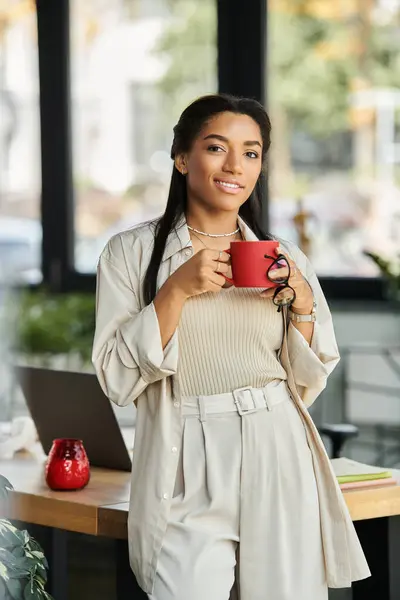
(4, 573)
(25, 563)
(41, 573)
(41, 582)
(15, 588)
(11, 536)
(38, 554)
(36, 551)
(13, 564)
(32, 591)
(34, 545)
(4, 595)
(17, 568)
(18, 551)
(22, 565)
(38, 567)
(26, 536)
(5, 487)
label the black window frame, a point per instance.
(242, 70)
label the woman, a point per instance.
(218, 488)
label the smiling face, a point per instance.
(224, 162)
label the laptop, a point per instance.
(65, 404)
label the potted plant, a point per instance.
(23, 566)
(55, 329)
(390, 271)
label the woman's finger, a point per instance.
(222, 267)
(218, 279)
(221, 256)
(268, 293)
(282, 252)
(294, 270)
(280, 273)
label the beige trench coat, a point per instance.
(132, 366)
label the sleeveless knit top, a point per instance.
(228, 340)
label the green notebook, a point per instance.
(348, 470)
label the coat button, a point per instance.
(165, 496)
(188, 252)
(174, 449)
(176, 404)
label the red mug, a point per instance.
(67, 466)
(250, 262)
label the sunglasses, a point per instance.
(284, 294)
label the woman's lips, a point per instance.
(227, 186)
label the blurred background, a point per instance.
(332, 71)
(89, 93)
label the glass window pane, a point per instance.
(20, 172)
(135, 65)
(334, 98)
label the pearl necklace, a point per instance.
(214, 235)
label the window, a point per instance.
(334, 98)
(20, 176)
(134, 66)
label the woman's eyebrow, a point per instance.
(222, 138)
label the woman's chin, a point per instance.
(227, 203)
(217, 201)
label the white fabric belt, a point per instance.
(243, 400)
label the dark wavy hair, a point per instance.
(191, 122)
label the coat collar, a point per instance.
(179, 238)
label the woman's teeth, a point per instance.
(229, 185)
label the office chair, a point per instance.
(338, 434)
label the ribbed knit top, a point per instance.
(227, 341)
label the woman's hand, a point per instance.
(202, 273)
(303, 303)
(198, 275)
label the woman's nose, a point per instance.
(233, 163)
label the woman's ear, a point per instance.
(180, 164)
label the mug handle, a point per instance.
(228, 279)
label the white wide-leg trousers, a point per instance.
(245, 503)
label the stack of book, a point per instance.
(354, 475)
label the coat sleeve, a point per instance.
(312, 364)
(127, 348)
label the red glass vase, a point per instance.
(67, 466)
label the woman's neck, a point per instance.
(212, 223)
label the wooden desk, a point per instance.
(33, 502)
(101, 509)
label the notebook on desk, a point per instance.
(352, 475)
(64, 404)
(348, 470)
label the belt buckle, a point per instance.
(245, 403)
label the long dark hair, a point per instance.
(192, 120)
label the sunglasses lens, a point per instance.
(275, 267)
(280, 280)
(284, 296)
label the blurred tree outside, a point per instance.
(189, 47)
(320, 51)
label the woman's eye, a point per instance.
(215, 148)
(252, 154)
